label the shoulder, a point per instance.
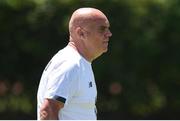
(65, 61)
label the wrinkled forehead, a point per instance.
(98, 22)
(88, 18)
(103, 21)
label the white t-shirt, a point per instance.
(69, 78)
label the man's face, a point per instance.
(97, 37)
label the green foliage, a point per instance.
(143, 58)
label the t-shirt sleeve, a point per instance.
(62, 82)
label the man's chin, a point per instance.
(105, 50)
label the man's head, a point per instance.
(89, 30)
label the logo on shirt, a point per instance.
(90, 84)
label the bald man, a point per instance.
(67, 89)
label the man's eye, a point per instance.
(102, 29)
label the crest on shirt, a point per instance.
(90, 84)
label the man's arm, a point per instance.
(49, 109)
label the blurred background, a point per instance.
(138, 78)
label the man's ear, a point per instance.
(80, 33)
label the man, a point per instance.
(67, 88)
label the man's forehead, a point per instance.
(94, 20)
(103, 23)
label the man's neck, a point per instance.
(80, 50)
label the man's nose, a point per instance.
(108, 34)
